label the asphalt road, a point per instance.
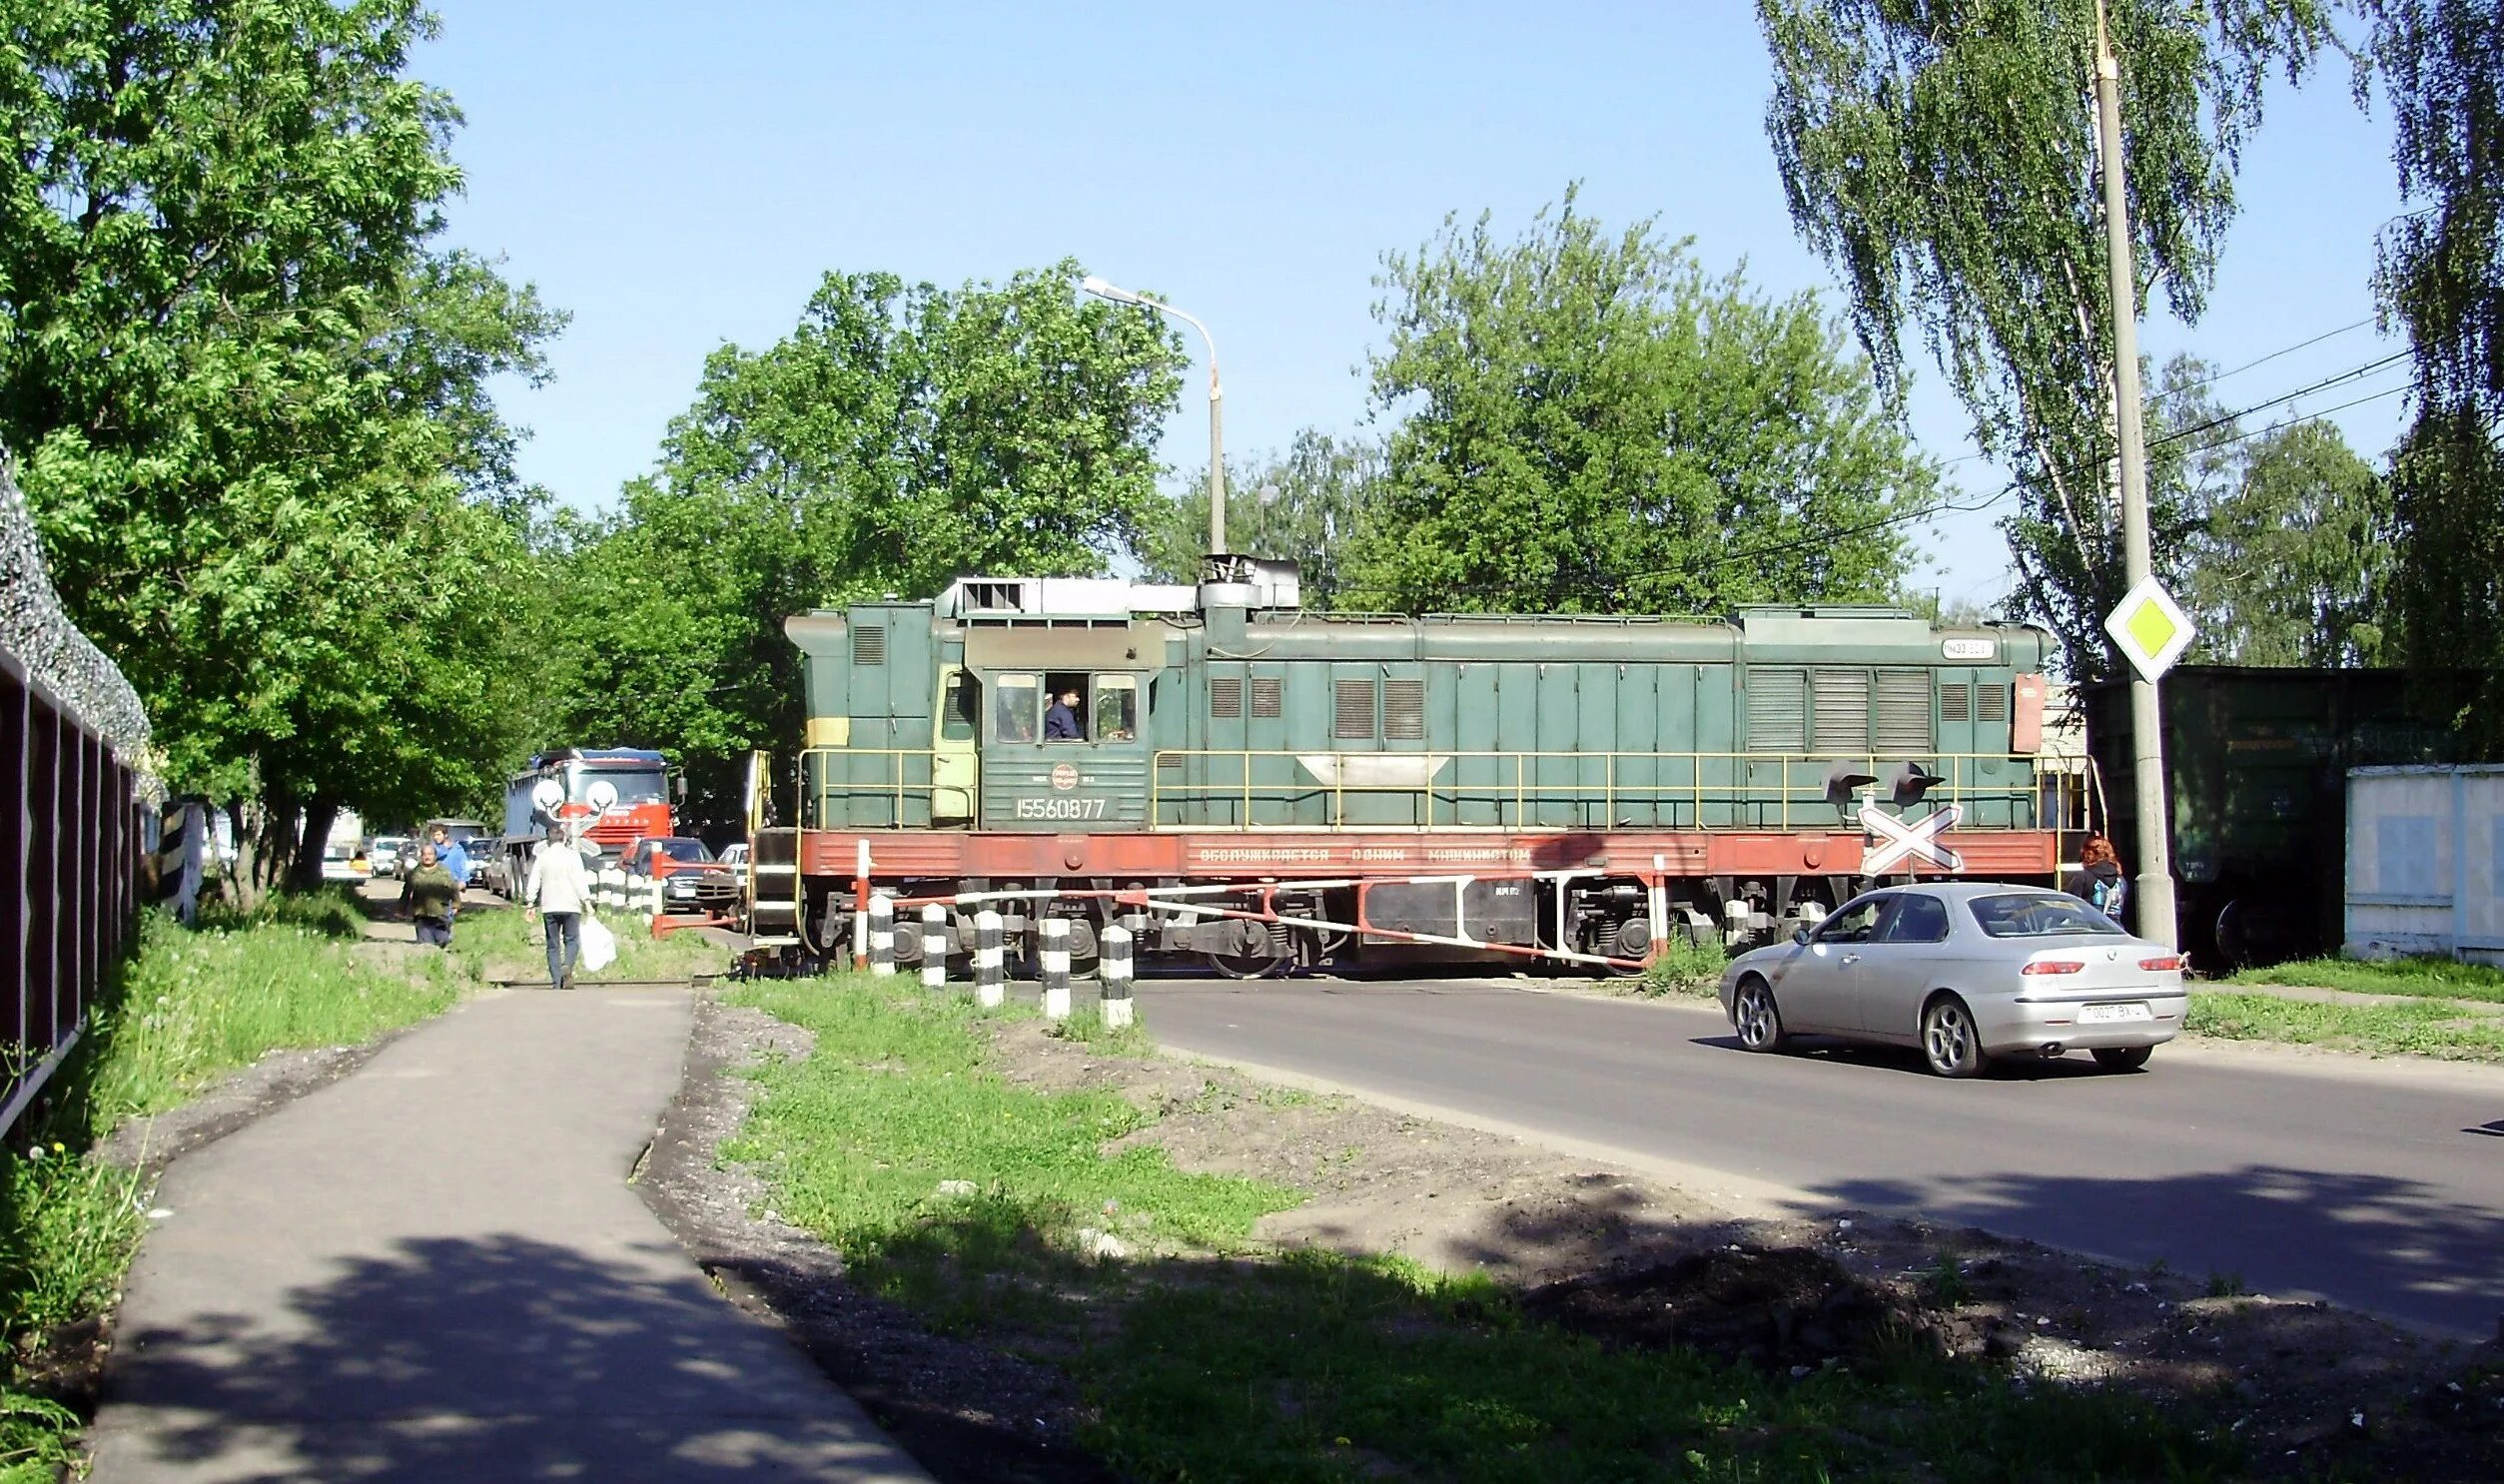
(2373, 1185)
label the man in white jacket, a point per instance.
(559, 886)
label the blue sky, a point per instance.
(678, 179)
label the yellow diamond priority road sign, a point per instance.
(2150, 629)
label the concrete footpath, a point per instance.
(435, 1269)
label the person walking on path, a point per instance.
(431, 895)
(2098, 880)
(560, 889)
(453, 855)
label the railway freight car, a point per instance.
(2256, 762)
(1236, 779)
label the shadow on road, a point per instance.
(499, 1359)
(2374, 1241)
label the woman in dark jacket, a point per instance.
(431, 895)
(2098, 880)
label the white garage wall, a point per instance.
(2425, 862)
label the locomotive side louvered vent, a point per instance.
(1843, 710)
(869, 644)
(1955, 702)
(1354, 714)
(1269, 696)
(1404, 710)
(1778, 710)
(1991, 702)
(1904, 712)
(1225, 697)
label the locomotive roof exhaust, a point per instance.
(1225, 582)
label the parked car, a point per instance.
(707, 887)
(487, 863)
(734, 859)
(384, 854)
(1967, 972)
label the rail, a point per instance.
(1459, 790)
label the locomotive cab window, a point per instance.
(961, 709)
(1117, 708)
(1016, 708)
(1065, 706)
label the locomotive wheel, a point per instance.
(1247, 965)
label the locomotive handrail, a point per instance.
(1961, 783)
(1743, 789)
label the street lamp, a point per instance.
(1216, 402)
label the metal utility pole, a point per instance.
(1216, 402)
(2153, 852)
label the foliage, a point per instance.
(895, 440)
(1590, 423)
(1311, 1364)
(251, 400)
(2292, 562)
(2428, 977)
(2429, 1028)
(184, 1011)
(1685, 967)
(2441, 274)
(1305, 506)
(1945, 165)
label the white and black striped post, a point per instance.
(659, 905)
(1113, 969)
(1056, 966)
(933, 946)
(882, 933)
(612, 888)
(991, 961)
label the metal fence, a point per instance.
(75, 810)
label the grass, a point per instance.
(2430, 977)
(1206, 1356)
(497, 941)
(186, 1009)
(1684, 968)
(2432, 1028)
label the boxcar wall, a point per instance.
(2256, 766)
(1597, 759)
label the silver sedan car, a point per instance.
(1964, 970)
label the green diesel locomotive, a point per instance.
(1237, 778)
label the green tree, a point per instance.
(897, 439)
(2441, 274)
(1944, 162)
(249, 400)
(2294, 556)
(1304, 505)
(1588, 422)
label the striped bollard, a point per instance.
(1056, 966)
(933, 946)
(882, 933)
(660, 908)
(991, 961)
(1114, 969)
(613, 887)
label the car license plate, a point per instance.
(2101, 1013)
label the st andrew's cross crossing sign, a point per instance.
(2150, 629)
(1904, 841)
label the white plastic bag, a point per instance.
(599, 946)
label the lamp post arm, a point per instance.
(1217, 429)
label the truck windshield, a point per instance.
(633, 785)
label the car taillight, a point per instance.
(2166, 965)
(2054, 966)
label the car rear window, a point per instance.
(2039, 914)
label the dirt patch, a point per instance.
(2310, 1390)
(965, 1411)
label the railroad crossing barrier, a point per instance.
(882, 933)
(1056, 968)
(1113, 969)
(933, 946)
(991, 961)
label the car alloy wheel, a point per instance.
(1949, 1041)
(1755, 1016)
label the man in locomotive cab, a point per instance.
(1060, 719)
